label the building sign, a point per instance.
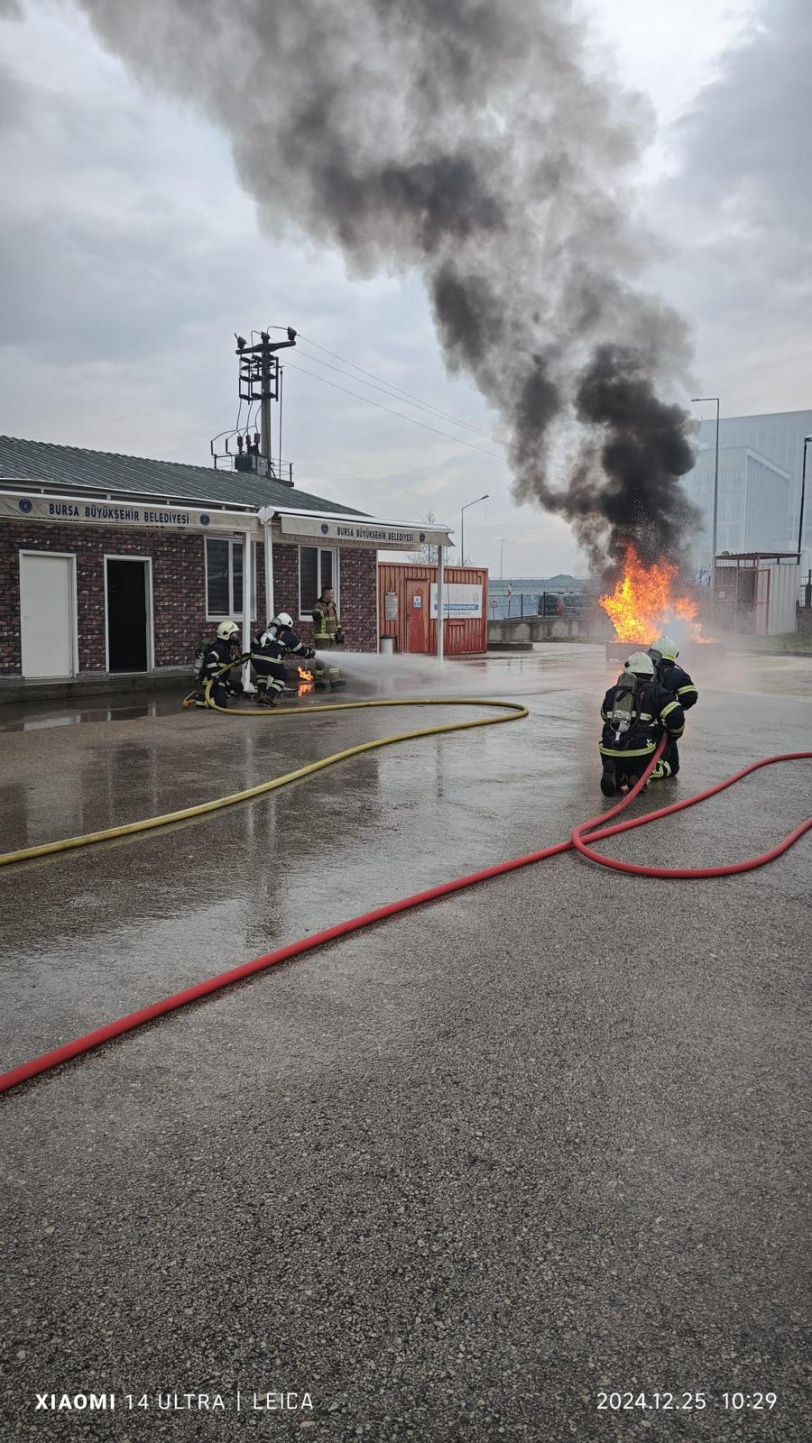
(381, 535)
(461, 601)
(120, 513)
(390, 606)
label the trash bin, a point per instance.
(387, 645)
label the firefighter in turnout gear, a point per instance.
(268, 653)
(664, 654)
(327, 634)
(635, 711)
(327, 631)
(213, 657)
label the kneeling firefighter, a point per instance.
(215, 662)
(327, 634)
(636, 711)
(268, 652)
(664, 654)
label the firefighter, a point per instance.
(224, 651)
(327, 634)
(664, 654)
(635, 711)
(327, 631)
(268, 652)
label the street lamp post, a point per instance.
(502, 541)
(807, 440)
(462, 524)
(715, 488)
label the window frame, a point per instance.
(235, 615)
(334, 552)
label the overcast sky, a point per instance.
(131, 254)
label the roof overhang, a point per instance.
(130, 511)
(31, 502)
(330, 528)
(34, 487)
(726, 557)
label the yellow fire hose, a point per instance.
(514, 711)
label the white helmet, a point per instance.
(283, 619)
(666, 648)
(227, 629)
(640, 664)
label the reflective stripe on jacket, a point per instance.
(674, 679)
(658, 711)
(276, 643)
(325, 621)
(215, 657)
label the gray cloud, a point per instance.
(13, 97)
(464, 141)
(747, 142)
(740, 211)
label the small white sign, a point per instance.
(461, 601)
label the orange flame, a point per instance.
(305, 681)
(644, 600)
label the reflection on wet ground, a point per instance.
(374, 677)
(63, 718)
(534, 1120)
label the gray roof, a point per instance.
(38, 463)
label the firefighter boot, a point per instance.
(609, 779)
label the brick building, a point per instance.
(118, 564)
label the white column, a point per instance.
(440, 604)
(247, 568)
(270, 610)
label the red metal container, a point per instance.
(404, 608)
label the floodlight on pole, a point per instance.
(462, 524)
(715, 488)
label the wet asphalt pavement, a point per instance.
(457, 1177)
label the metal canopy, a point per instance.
(332, 529)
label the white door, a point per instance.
(47, 614)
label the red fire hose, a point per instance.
(583, 840)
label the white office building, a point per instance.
(776, 439)
(753, 504)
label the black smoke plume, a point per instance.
(466, 139)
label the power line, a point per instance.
(399, 414)
(387, 387)
(557, 473)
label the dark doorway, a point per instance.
(127, 615)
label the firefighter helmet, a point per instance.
(283, 619)
(640, 664)
(227, 630)
(666, 648)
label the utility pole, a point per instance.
(259, 381)
(265, 403)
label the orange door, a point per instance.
(417, 615)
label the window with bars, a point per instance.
(224, 578)
(318, 568)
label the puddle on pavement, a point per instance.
(74, 715)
